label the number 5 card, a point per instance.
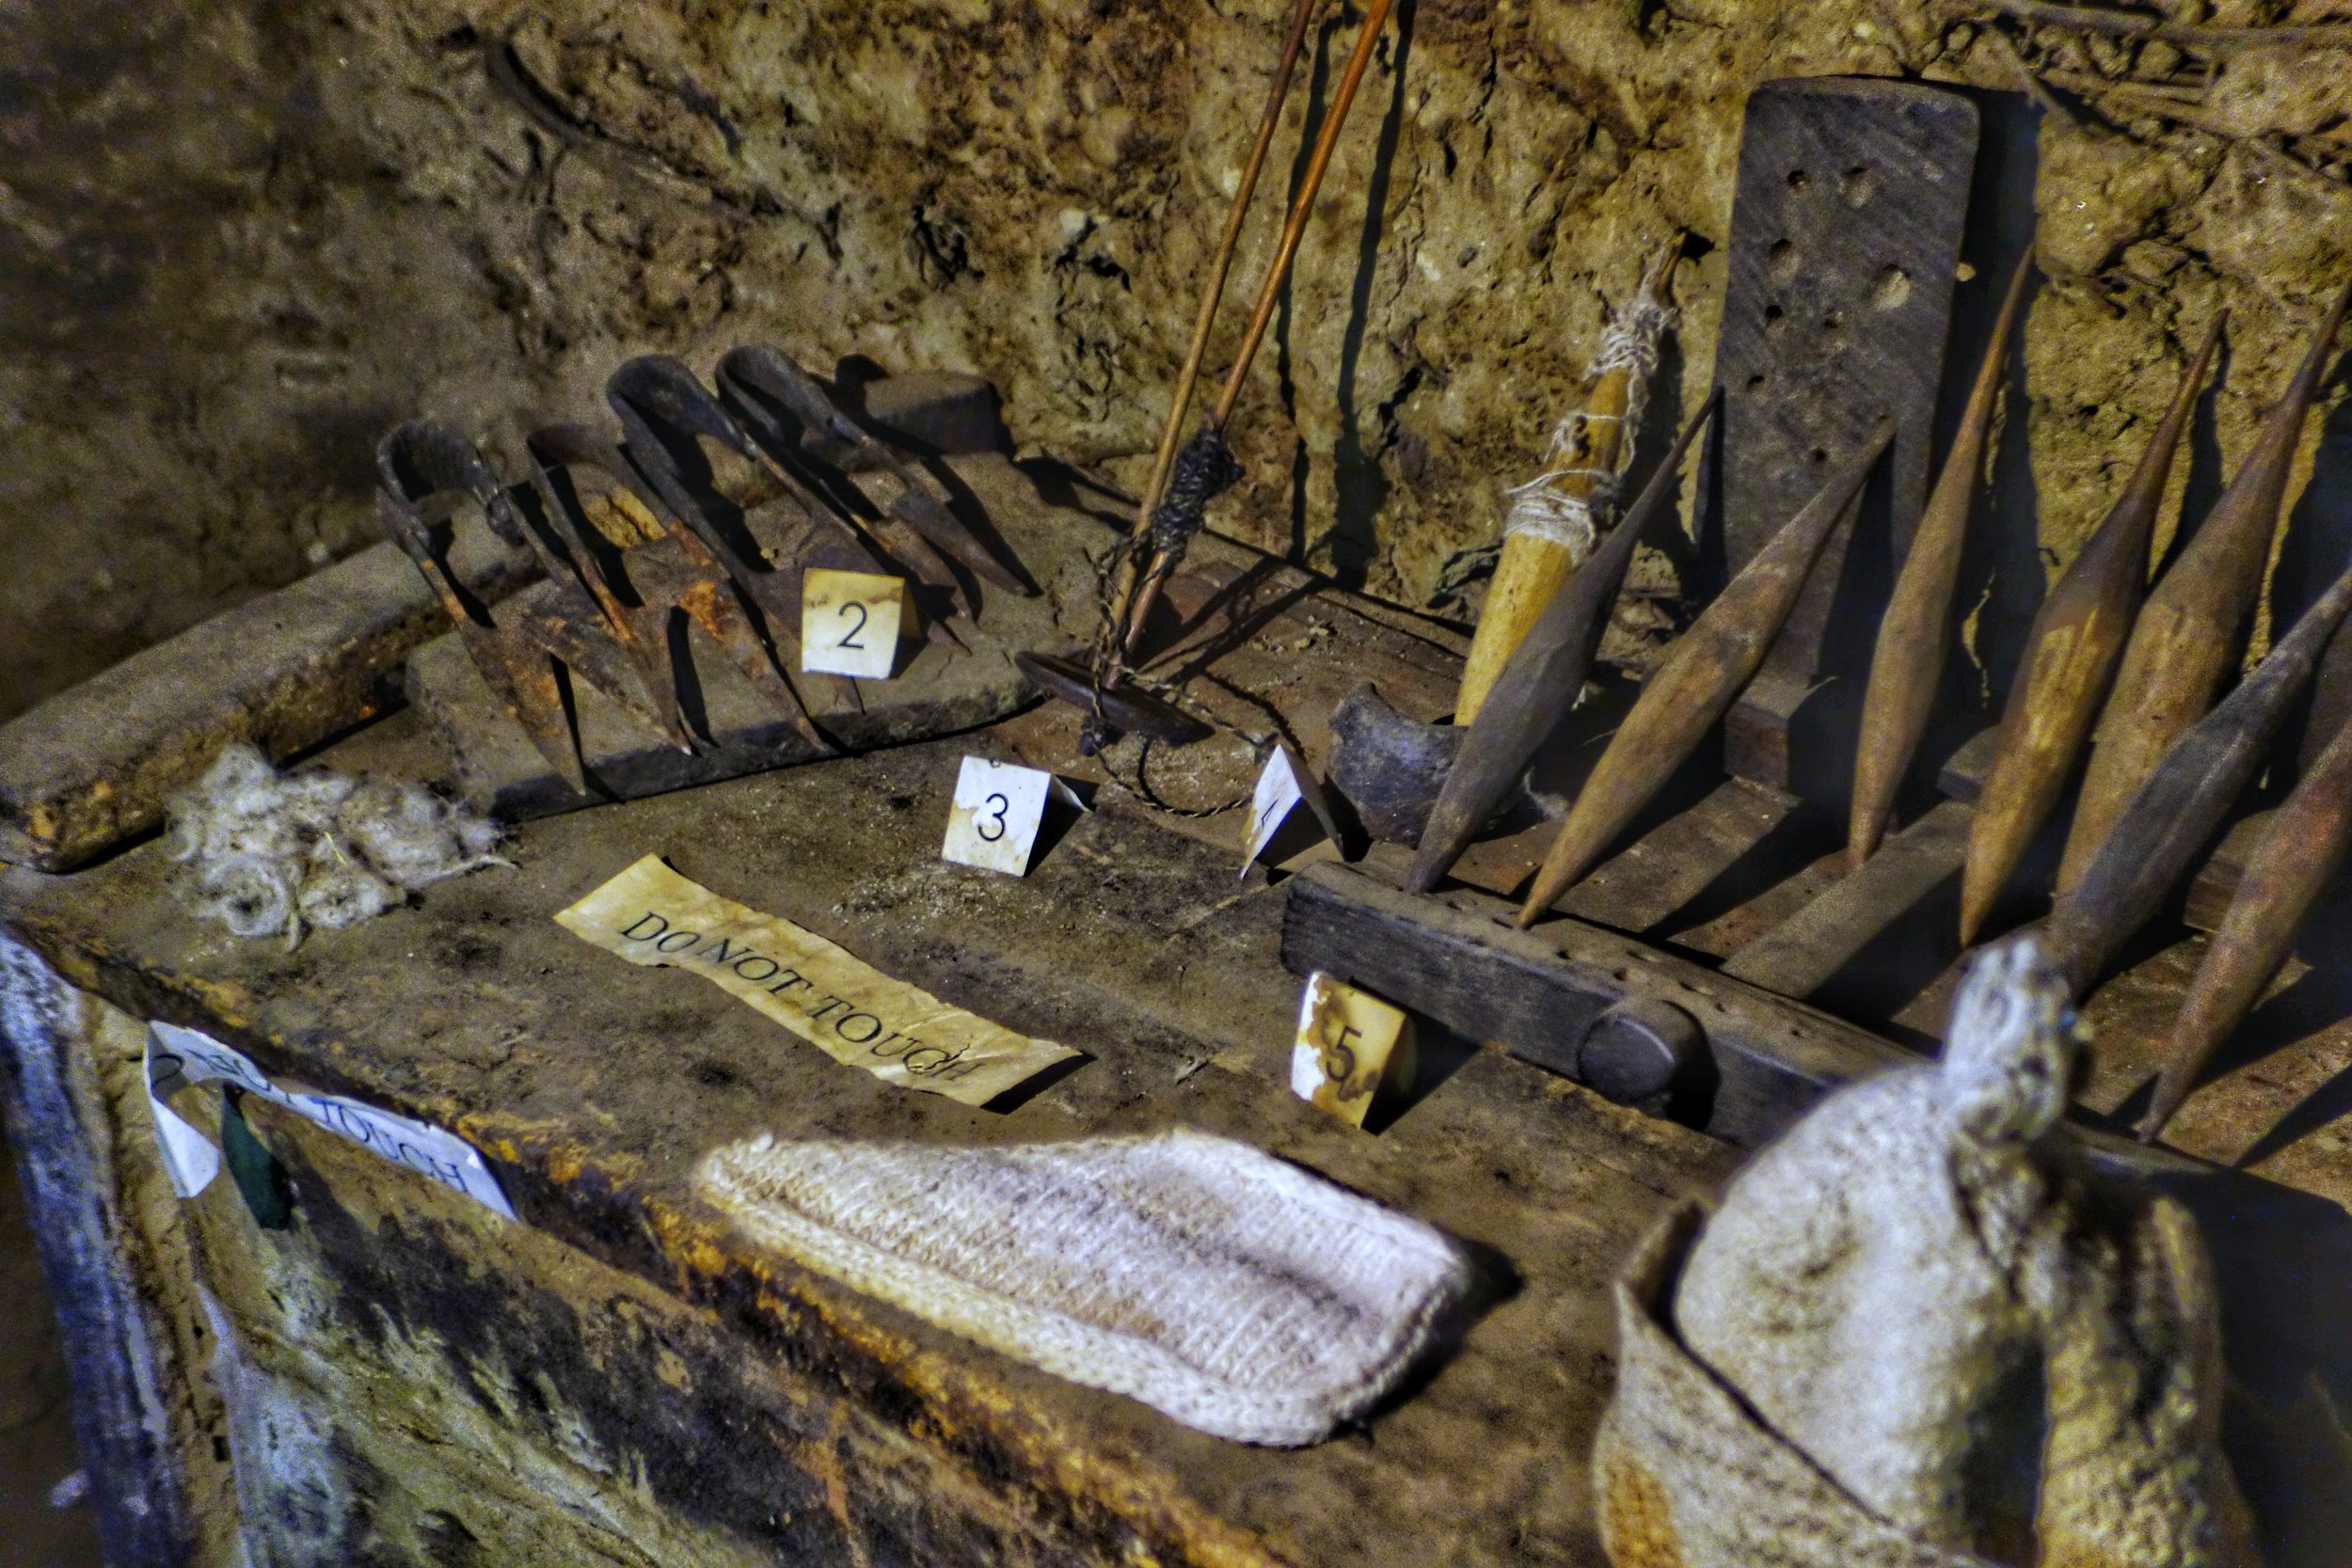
(849, 621)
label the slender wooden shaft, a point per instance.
(1531, 568)
(1375, 18)
(1540, 683)
(2189, 633)
(1294, 229)
(2177, 811)
(1694, 684)
(2299, 855)
(2076, 639)
(1212, 290)
(1915, 633)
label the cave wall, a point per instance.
(241, 237)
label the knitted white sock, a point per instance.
(1222, 1286)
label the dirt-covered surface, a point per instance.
(241, 237)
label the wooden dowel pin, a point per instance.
(2189, 633)
(1694, 683)
(2072, 650)
(1915, 633)
(1550, 523)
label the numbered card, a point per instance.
(849, 621)
(1284, 784)
(1351, 1047)
(995, 816)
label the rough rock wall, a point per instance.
(240, 237)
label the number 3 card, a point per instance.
(995, 820)
(849, 622)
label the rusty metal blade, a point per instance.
(831, 436)
(2176, 813)
(421, 463)
(1695, 682)
(1543, 677)
(2078, 637)
(1127, 708)
(1915, 633)
(2189, 632)
(2300, 853)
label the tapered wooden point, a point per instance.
(2190, 631)
(1915, 634)
(2072, 650)
(1694, 683)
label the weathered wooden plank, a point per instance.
(1657, 875)
(1912, 870)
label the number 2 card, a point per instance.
(849, 622)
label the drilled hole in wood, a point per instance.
(1891, 288)
(1819, 455)
(1856, 184)
(1774, 318)
(1780, 261)
(1833, 322)
(1797, 179)
(1756, 382)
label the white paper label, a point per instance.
(1351, 1045)
(176, 1056)
(1271, 804)
(994, 819)
(849, 622)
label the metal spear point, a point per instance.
(2189, 634)
(1914, 635)
(1541, 681)
(1694, 683)
(2076, 639)
(2176, 813)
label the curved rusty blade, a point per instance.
(831, 437)
(656, 394)
(1128, 708)
(691, 583)
(2176, 813)
(1544, 675)
(2190, 631)
(1695, 682)
(2076, 640)
(423, 466)
(780, 442)
(1915, 632)
(2300, 853)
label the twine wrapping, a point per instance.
(1540, 508)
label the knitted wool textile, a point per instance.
(1213, 1282)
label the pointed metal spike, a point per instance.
(1915, 633)
(2176, 813)
(1544, 675)
(2076, 640)
(2189, 632)
(1694, 683)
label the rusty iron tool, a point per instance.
(1848, 211)
(664, 412)
(2301, 852)
(640, 590)
(1544, 676)
(1696, 681)
(423, 467)
(2078, 637)
(781, 440)
(2192, 627)
(2175, 814)
(753, 375)
(1205, 468)
(1915, 632)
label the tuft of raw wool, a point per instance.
(1217, 1284)
(1920, 1299)
(271, 853)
